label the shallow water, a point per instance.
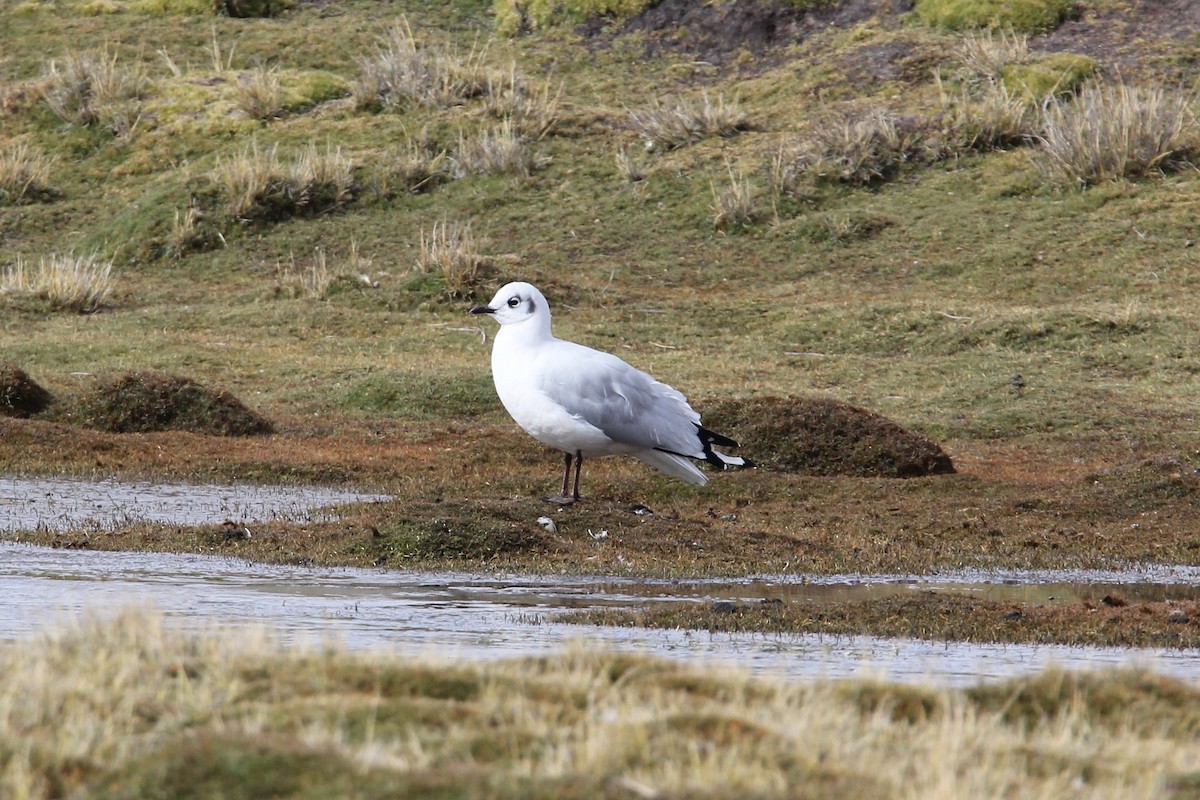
(485, 617)
(64, 503)
(494, 616)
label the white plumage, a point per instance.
(588, 403)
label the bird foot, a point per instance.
(561, 500)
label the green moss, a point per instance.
(1057, 73)
(196, 8)
(1020, 15)
(308, 88)
(414, 395)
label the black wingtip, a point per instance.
(708, 439)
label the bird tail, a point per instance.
(674, 465)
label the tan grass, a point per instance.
(987, 52)
(631, 168)
(988, 116)
(259, 93)
(452, 251)
(67, 283)
(1115, 130)
(495, 151)
(417, 166)
(24, 173)
(119, 702)
(91, 88)
(401, 71)
(257, 183)
(534, 109)
(678, 122)
(734, 203)
(861, 148)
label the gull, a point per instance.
(588, 403)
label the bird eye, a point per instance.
(514, 301)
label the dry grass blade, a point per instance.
(452, 251)
(24, 174)
(67, 283)
(1113, 131)
(682, 121)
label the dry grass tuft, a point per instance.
(498, 151)
(734, 203)
(535, 110)
(92, 89)
(631, 168)
(987, 52)
(1113, 131)
(401, 72)
(987, 116)
(416, 167)
(67, 283)
(676, 123)
(24, 174)
(256, 184)
(452, 251)
(259, 94)
(862, 148)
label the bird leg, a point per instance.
(578, 465)
(565, 499)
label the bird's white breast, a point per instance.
(517, 371)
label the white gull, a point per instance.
(588, 403)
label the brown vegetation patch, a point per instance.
(20, 395)
(814, 436)
(138, 402)
(1122, 35)
(715, 31)
(933, 615)
(1145, 485)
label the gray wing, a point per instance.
(625, 403)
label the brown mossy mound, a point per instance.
(815, 436)
(140, 402)
(20, 395)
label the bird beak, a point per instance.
(482, 310)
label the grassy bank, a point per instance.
(129, 707)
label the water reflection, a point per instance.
(483, 617)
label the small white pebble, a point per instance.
(548, 524)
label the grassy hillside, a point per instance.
(840, 200)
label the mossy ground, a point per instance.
(920, 299)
